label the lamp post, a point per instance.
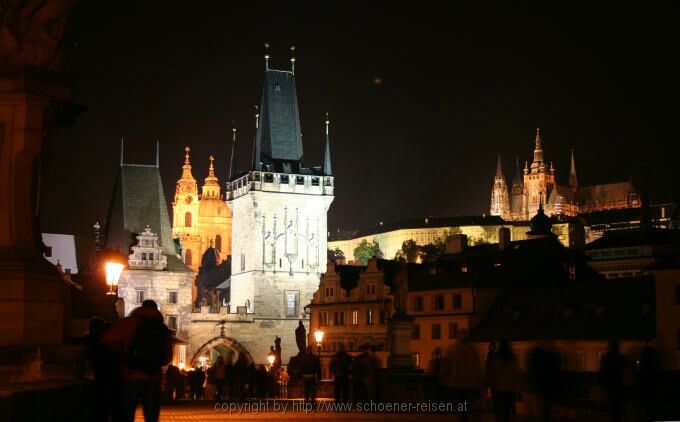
(318, 336)
(114, 264)
(271, 358)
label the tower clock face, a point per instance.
(188, 200)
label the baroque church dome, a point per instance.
(540, 223)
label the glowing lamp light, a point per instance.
(271, 358)
(113, 272)
(318, 336)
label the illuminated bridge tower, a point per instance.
(279, 229)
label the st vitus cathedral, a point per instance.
(536, 187)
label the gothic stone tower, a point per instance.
(500, 198)
(539, 180)
(185, 215)
(279, 229)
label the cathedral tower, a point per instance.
(539, 180)
(279, 230)
(185, 215)
(214, 217)
(500, 198)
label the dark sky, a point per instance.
(460, 83)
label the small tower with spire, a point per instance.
(211, 185)
(500, 198)
(327, 151)
(185, 212)
(539, 181)
(573, 180)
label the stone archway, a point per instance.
(226, 347)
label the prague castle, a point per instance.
(537, 186)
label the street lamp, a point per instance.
(318, 336)
(113, 272)
(271, 358)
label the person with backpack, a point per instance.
(145, 345)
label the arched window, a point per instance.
(218, 242)
(187, 256)
(187, 219)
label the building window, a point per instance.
(315, 181)
(218, 242)
(284, 179)
(323, 319)
(370, 289)
(369, 317)
(355, 317)
(436, 331)
(416, 360)
(268, 178)
(578, 364)
(339, 318)
(292, 303)
(600, 355)
(329, 291)
(243, 261)
(172, 297)
(172, 322)
(417, 303)
(143, 256)
(300, 180)
(150, 257)
(415, 333)
(457, 301)
(438, 302)
(382, 317)
(453, 330)
(140, 296)
(187, 257)
(187, 219)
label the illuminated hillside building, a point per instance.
(537, 185)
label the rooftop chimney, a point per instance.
(503, 238)
(456, 243)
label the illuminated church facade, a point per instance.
(536, 185)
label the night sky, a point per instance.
(422, 96)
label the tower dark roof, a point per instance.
(540, 224)
(138, 200)
(210, 260)
(279, 139)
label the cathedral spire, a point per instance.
(232, 163)
(499, 169)
(292, 59)
(573, 180)
(256, 144)
(266, 56)
(186, 168)
(327, 152)
(500, 199)
(538, 152)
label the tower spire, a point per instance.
(292, 59)
(232, 164)
(158, 148)
(538, 153)
(186, 168)
(122, 149)
(256, 145)
(499, 169)
(573, 180)
(327, 151)
(266, 56)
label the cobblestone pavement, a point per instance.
(282, 410)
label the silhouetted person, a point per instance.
(341, 363)
(612, 366)
(172, 378)
(503, 377)
(490, 352)
(360, 373)
(310, 370)
(461, 372)
(374, 364)
(145, 343)
(545, 375)
(241, 376)
(220, 375)
(196, 380)
(107, 375)
(649, 367)
(181, 384)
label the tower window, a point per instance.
(143, 256)
(243, 261)
(284, 180)
(140, 296)
(218, 243)
(292, 303)
(187, 219)
(172, 297)
(300, 180)
(187, 257)
(172, 322)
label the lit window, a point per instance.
(291, 304)
(416, 359)
(187, 219)
(369, 317)
(187, 257)
(355, 317)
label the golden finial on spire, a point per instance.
(328, 122)
(266, 56)
(186, 155)
(292, 59)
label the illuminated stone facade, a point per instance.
(199, 220)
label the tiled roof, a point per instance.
(138, 201)
(610, 192)
(634, 237)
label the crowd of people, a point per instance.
(494, 383)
